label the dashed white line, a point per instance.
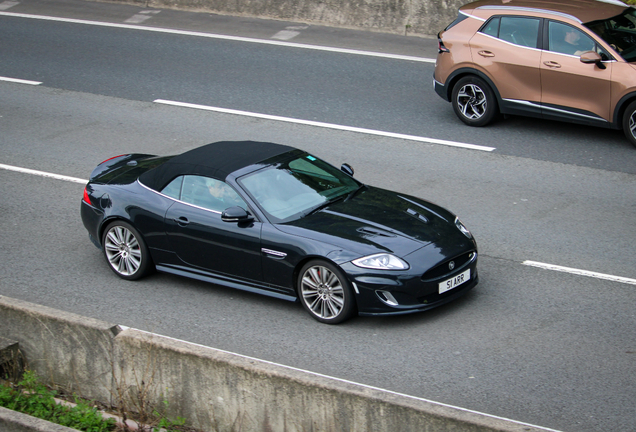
(43, 174)
(222, 37)
(580, 272)
(8, 4)
(142, 16)
(327, 125)
(20, 81)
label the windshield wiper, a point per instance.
(352, 194)
(321, 206)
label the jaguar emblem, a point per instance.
(451, 265)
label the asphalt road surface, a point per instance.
(551, 348)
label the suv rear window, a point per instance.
(522, 31)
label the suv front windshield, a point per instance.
(292, 189)
(619, 32)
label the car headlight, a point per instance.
(460, 226)
(382, 261)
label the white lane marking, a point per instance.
(142, 16)
(286, 34)
(222, 37)
(43, 174)
(345, 381)
(20, 81)
(327, 125)
(580, 272)
(8, 4)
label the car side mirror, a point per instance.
(346, 168)
(589, 57)
(236, 214)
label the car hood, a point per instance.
(376, 220)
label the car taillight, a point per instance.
(440, 46)
(86, 198)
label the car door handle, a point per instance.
(486, 53)
(182, 221)
(552, 64)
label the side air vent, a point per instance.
(374, 232)
(415, 214)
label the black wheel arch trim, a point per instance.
(620, 108)
(463, 72)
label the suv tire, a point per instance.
(474, 101)
(629, 123)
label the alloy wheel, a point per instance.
(322, 292)
(472, 101)
(123, 250)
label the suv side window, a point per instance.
(522, 31)
(492, 27)
(565, 39)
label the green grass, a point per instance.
(31, 397)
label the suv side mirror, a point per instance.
(346, 168)
(236, 214)
(589, 57)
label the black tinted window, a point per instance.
(461, 17)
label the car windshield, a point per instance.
(295, 188)
(619, 32)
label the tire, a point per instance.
(325, 292)
(126, 251)
(629, 123)
(474, 101)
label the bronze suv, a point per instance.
(569, 60)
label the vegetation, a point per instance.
(31, 397)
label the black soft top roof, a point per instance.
(215, 160)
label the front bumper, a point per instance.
(403, 292)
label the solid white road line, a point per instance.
(223, 37)
(580, 272)
(43, 174)
(20, 81)
(326, 125)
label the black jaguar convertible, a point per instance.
(276, 220)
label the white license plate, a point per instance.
(451, 283)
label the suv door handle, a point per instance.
(552, 64)
(486, 54)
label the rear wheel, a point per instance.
(325, 292)
(629, 123)
(125, 251)
(474, 101)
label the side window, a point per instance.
(209, 193)
(491, 28)
(173, 190)
(565, 39)
(522, 31)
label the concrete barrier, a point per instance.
(420, 17)
(12, 421)
(213, 389)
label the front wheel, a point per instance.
(126, 251)
(325, 292)
(629, 123)
(474, 101)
